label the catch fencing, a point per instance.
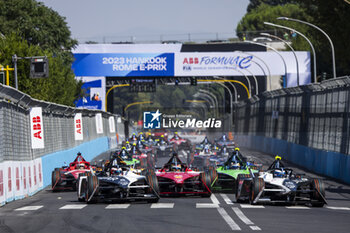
(315, 115)
(37, 136)
(58, 126)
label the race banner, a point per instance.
(99, 123)
(111, 124)
(124, 64)
(78, 127)
(36, 128)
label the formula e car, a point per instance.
(162, 148)
(280, 185)
(175, 178)
(118, 182)
(65, 178)
(225, 141)
(228, 172)
(180, 143)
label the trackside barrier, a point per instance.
(329, 163)
(307, 125)
(37, 136)
(88, 150)
(20, 179)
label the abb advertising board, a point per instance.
(78, 127)
(37, 128)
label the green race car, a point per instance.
(228, 172)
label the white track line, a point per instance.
(33, 207)
(228, 219)
(214, 199)
(206, 205)
(162, 205)
(226, 199)
(247, 206)
(73, 207)
(117, 206)
(244, 219)
(255, 228)
(297, 207)
(337, 208)
(240, 214)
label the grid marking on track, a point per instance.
(117, 206)
(162, 206)
(73, 207)
(247, 206)
(33, 207)
(206, 205)
(298, 207)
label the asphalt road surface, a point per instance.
(61, 212)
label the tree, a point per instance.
(256, 3)
(32, 29)
(61, 87)
(331, 16)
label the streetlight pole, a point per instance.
(267, 67)
(302, 35)
(323, 32)
(273, 49)
(291, 48)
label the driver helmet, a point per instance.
(278, 173)
(236, 149)
(176, 167)
(206, 148)
(235, 165)
(80, 166)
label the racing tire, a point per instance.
(318, 188)
(238, 194)
(91, 186)
(256, 186)
(213, 174)
(152, 181)
(206, 183)
(80, 199)
(55, 179)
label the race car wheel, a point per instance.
(213, 174)
(256, 186)
(91, 185)
(206, 182)
(154, 186)
(238, 192)
(318, 187)
(55, 179)
(80, 199)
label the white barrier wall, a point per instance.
(20, 179)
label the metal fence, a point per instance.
(58, 123)
(315, 115)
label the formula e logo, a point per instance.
(151, 120)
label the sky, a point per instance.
(125, 20)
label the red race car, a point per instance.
(180, 142)
(175, 178)
(65, 178)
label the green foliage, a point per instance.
(331, 16)
(61, 87)
(32, 29)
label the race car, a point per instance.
(279, 184)
(162, 147)
(225, 141)
(228, 172)
(118, 182)
(64, 178)
(175, 178)
(180, 143)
